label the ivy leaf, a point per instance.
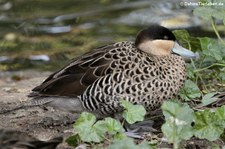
(208, 125)
(178, 121)
(190, 91)
(133, 113)
(87, 130)
(126, 143)
(208, 98)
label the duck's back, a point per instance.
(73, 79)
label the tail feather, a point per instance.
(70, 104)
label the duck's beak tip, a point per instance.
(197, 56)
(185, 53)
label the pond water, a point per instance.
(46, 34)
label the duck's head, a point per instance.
(160, 41)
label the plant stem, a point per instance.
(175, 146)
(175, 143)
(198, 75)
(216, 32)
(200, 65)
(216, 64)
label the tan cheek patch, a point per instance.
(157, 47)
(164, 47)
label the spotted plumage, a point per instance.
(145, 72)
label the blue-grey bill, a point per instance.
(185, 53)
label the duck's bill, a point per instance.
(185, 53)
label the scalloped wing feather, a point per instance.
(73, 79)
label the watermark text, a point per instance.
(202, 4)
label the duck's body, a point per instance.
(143, 72)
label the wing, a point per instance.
(73, 79)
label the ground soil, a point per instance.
(43, 123)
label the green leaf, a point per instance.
(86, 129)
(195, 44)
(203, 12)
(145, 145)
(208, 12)
(73, 140)
(180, 111)
(220, 113)
(182, 34)
(186, 40)
(133, 113)
(211, 48)
(208, 125)
(113, 126)
(222, 76)
(128, 143)
(183, 37)
(91, 131)
(120, 136)
(190, 71)
(219, 14)
(178, 121)
(208, 98)
(190, 91)
(215, 146)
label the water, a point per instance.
(46, 34)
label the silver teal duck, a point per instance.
(148, 71)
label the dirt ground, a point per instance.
(43, 123)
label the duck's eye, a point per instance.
(165, 37)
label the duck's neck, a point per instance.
(170, 60)
(173, 68)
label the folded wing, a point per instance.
(73, 79)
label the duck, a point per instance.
(14, 139)
(147, 71)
